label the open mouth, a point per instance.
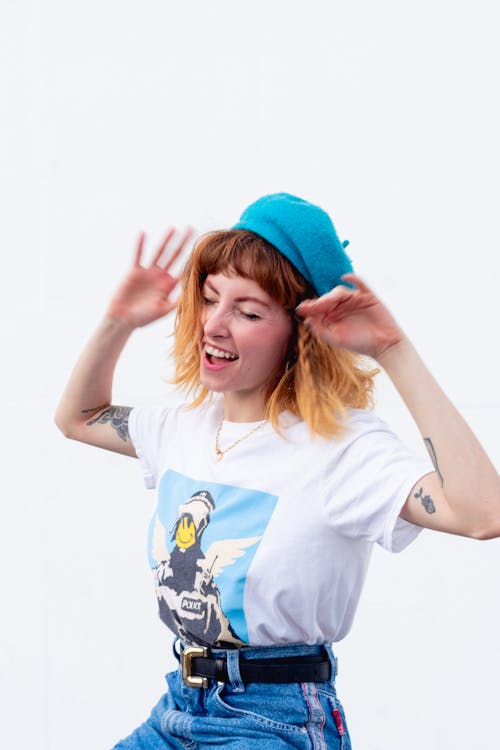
(219, 355)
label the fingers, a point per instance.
(341, 297)
(172, 256)
(162, 247)
(139, 249)
(178, 250)
(352, 278)
(326, 302)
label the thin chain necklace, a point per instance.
(219, 453)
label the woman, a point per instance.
(275, 480)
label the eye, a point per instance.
(208, 301)
(248, 316)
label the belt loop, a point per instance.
(177, 653)
(233, 670)
(333, 661)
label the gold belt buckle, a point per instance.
(187, 656)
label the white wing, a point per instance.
(160, 551)
(224, 553)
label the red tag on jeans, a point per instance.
(337, 716)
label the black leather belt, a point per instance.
(198, 667)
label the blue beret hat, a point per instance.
(303, 233)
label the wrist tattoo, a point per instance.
(432, 454)
(118, 417)
(426, 500)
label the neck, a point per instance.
(239, 409)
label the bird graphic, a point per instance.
(188, 597)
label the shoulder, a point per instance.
(184, 411)
(364, 421)
(356, 424)
(364, 438)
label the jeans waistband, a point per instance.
(263, 652)
(272, 652)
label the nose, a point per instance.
(215, 321)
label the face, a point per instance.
(185, 535)
(245, 337)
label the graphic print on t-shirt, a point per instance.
(202, 540)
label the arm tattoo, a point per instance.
(96, 408)
(432, 454)
(426, 501)
(118, 416)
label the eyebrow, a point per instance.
(241, 299)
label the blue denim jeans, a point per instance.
(306, 716)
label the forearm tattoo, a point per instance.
(118, 416)
(432, 454)
(426, 501)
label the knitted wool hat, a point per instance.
(303, 233)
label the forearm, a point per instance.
(470, 482)
(89, 387)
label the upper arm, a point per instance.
(427, 506)
(106, 428)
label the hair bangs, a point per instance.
(243, 253)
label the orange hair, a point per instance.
(318, 382)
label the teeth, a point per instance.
(218, 353)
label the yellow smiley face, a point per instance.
(185, 536)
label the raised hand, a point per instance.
(145, 293)
(352, 318)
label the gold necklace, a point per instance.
(219, 453)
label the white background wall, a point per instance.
(118, 116)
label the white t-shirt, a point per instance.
(270, 545)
